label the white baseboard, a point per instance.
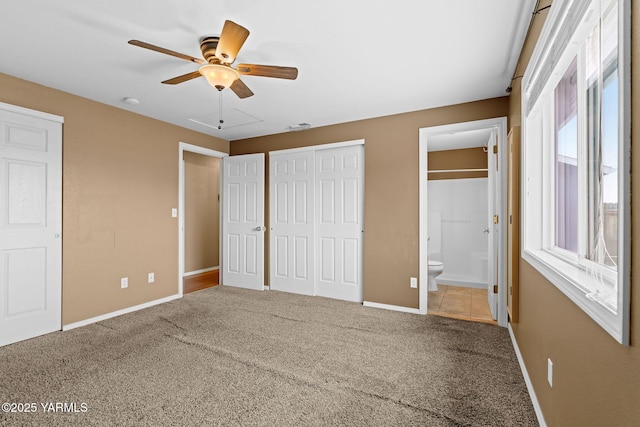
(462, 283)
(527, 380)
(119, 312)
(391, 307)
(204, 270)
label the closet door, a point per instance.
(339, 216)
(291, 249)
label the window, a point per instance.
(576, 151)
(566, 160)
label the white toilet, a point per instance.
(435, 269)
(434, 254)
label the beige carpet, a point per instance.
(225, 356)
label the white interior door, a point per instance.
(494, 210)
(291, 190)
(243, 221)
(340, 222)
(30, 226)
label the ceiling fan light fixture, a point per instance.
(219, 76)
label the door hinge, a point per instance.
(496, 219)
(495, 289)
(495, 149)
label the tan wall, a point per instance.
(466, 158)
(391, 212)
(202, 211)
(120, 182)
(596, 380)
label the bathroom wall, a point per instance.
(457, 212)
(464, 158)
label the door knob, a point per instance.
(259, 228)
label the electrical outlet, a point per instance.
(152, 278)
(124, 282)
(550, 372)
(174, 213)
(413, 282)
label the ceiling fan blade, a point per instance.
(166, 51)
(241, 89)
(183, 78)
(290, 73)
(231, 40)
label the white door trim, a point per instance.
(500, 124)
(183, 146)
(32, 113)
(319, 147)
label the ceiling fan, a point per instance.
(219, 53)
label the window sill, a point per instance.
(577, 285)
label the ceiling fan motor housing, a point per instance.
(208, 47)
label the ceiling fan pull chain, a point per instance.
(220, 110)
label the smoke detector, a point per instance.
(131, 102)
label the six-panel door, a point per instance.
(291, 191)
(30, 226)
(340, 228)
(243, 221)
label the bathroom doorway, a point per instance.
(461, 203)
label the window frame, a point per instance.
(560, 41)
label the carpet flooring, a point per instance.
(228, 356)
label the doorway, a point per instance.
(199, 253)
(202, 221)
(458, 203)
(484, 264)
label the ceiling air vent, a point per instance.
(299, 126)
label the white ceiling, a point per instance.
(357, 59)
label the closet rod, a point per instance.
(457, 170)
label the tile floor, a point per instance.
(460, 303)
